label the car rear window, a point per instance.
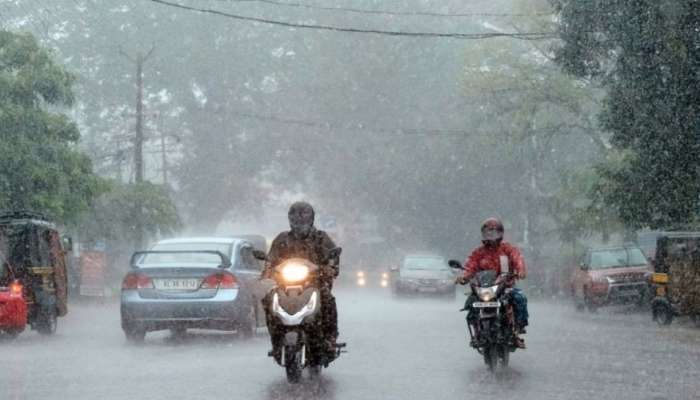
(191, 259)
(614, 258)
(428, 263)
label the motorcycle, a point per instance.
(294, 302)
(493, 334)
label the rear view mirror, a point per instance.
(335, 253)
(583, 267)
(334, 256)
(393, 268)
(455, 264)
(259, 255)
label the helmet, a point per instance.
(492, 230)
(301, 219)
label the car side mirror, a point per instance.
(455, 264)
(67, 243)
(259, 255)
(393, 268)
(583, 267)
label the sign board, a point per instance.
(92, 273)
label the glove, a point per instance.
(460, 280)
(521, 275)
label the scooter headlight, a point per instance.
(487, 294)
(294, 272)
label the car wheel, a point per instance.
(248, 325)
(134, 334)
(178, 332)
(12, 333)
(590, 305)
(663, 315)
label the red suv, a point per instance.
(611, 275)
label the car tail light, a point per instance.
(16, 289)
(137, 281)
(219, 280)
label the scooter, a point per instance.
(295, 304)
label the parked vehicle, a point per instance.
(206, 283)
(296, 304)
(493, 335)
(35, 264)
(13, 307)
(423, 273)
(611, 275)
(676, 278)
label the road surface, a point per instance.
(398, 349)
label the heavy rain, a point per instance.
(306, 199)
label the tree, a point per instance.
(40, 169)
(113, 216)
(647, 56)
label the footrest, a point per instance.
(341, 345)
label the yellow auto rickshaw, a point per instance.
(676, 277)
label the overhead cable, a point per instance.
(386, 12)
(472, 36)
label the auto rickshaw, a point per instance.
(34, 262)
(676, 277)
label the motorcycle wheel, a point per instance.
(47, 322)
(491, 356)
(503, 355)
(292, 364)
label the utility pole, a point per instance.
(139, 139)
(163, 152)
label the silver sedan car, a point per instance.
(206, 283)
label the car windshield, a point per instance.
(614, 258)
(192, 259)
(425, 263)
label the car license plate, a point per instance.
(486, 304)
(427, 290)
(176, 284)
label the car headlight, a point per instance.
(360, 274)
(295, 272)
(385, 275)
(487, 294)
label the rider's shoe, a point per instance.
(276, 354)
(519, 342)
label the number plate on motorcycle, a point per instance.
(486, 304)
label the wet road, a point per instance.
(409, 349)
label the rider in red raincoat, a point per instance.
(495, 254)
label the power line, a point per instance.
(386, 12)
(472, 36)
(356, 127)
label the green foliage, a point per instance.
(116, 214)
(647, 54)
(39, 166)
